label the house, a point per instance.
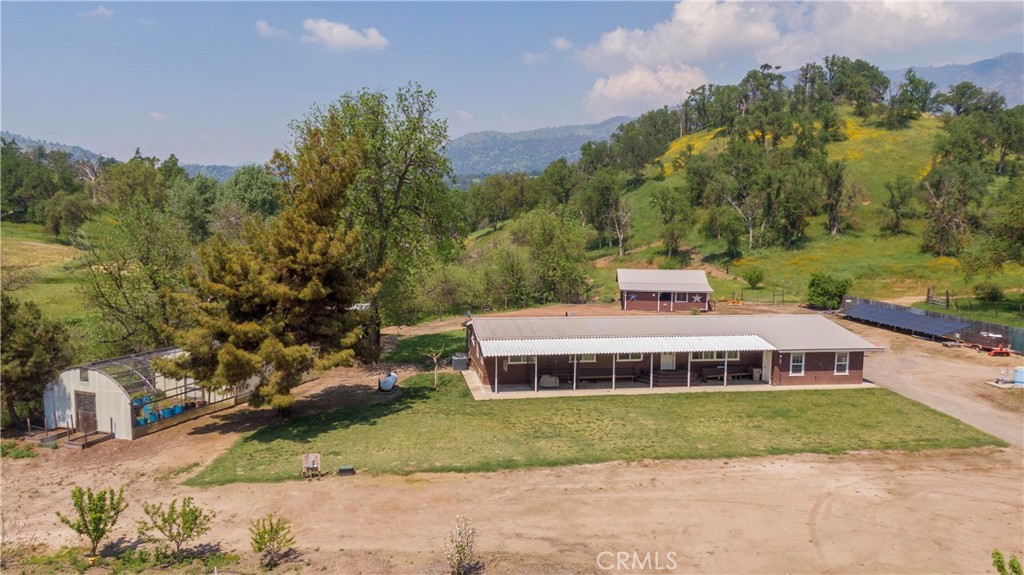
(126, 398)
(664, 290)
(514, 353)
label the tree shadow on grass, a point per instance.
(307, 429)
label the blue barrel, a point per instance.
(152, 418)
(178, 409)
(1018, 375)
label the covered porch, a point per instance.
(614, 363)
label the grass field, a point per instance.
(1009, 311)
(47, 264)
(445, 430)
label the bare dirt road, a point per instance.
(871, 512)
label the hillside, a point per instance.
(1003, 74)
(529, 151)
(881, 266)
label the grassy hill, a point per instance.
(880, 265)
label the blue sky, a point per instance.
(220, 82)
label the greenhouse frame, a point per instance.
(127, 398)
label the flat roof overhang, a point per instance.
(609, 345)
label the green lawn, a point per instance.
(415, 349)
(445, 430)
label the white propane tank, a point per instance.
(388, 383)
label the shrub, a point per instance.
(176, 525)
(988, 291)
(96, 513)
(272, 538)
(1004, 568)
(826, 292)
(459, 548)
(753, 276)
(10, 448)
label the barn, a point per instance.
(658, 351)
(127, 398)
(664, 290)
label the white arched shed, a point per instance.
(126, 398)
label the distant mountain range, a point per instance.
(481, 153)
(530, 151)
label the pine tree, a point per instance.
(278, 303)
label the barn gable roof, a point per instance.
(689, 281)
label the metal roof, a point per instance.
(606, 345)
(908, 320)
(801, 332)
(691, 281)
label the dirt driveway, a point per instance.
(870, 512)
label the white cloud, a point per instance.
(640, 89)
(339, 37)
(465, 116)
(561, 43)
(704, 33)
(263, 28)
(534, 57)
(100, 11)
(157, 116)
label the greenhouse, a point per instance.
(127, 398)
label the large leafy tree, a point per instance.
(254, 188)
(399, 198)
(279, 302)
(1001, 240)
(34, 350)
(133, 266)
(675, 208)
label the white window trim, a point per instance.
(630, 357)
(587, 358)
(803, 362)
(685, 297)
(733, 355)
(521, 359)
(846, 364)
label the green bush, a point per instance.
(10, 448)
(988, 291)
(175, 525)
(753, 276)
(96, 513)
(271, 537)
(826, 292)
(1013, 567)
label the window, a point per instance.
(518, 359)
(716, 355)
(796, 364)
(843, 363)
(682, 297)
(83, 375)
(630, 356)
(587, 358)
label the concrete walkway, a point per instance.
(482, 393)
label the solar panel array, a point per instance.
(909, 321)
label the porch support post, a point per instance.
(651, 372)
(574, 358)
(689, 356)
(725, 373)
(672, 302)
(495, 375)
(535, 370)
(613, 371)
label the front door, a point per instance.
(668, 362)
(85, 411)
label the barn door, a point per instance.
(85, 411)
